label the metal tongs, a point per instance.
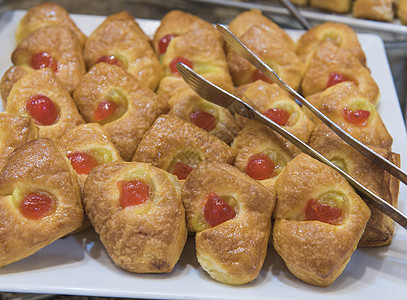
(213, 93)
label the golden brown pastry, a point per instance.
(277, 105)
(401, 11)
(339, 34)
(231, 214)
(216, 120)
(260, 153)
(120, 41)
(350, 110)
(9, 78)
(41, 96)
(339, 6)
(202, 51)
(15, 131)
(263, 41)
(177, 146)
(45, 14)
(56, 47)
(329, 65)
(137, 210)
(109, 95)
(379, 228)
(319, 220)
(379, 10)
(40, 200)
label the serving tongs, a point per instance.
(213, 93)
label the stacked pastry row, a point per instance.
(107, 126)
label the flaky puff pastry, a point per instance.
(401, 11)
(315, 251)
(265, 96)
(216, 120)
(263, 41)
(58, 42)
(120, 39)
(43, 82)
(329, 61)
(136, 106)
(339, 6)
(15, 131)
(9, 78)
(144, 238)
(255, 141)
(202, 50)
(340, 34)
(36, 168)
(233, 251)
(379, 228)
(379, 10)
(45, 14)
(344, 98)
(171, 140)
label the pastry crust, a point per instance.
(44, 82)
(140, 105)
(263, 41)
(380, 10)
(339, 6)
(171, 139)
(223, 251)
(9, 78)
(402, 11)
(345, 95)
(145, 238)
(328, 59)
(120, 36)
(314, 251)
(186, 102)
(339, 34)
(15, 131)
(37, 166)
(62, 44)
(45, 14)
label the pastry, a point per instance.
(329, 65)
(45, 14)
(40, 200)
(40, 95)
(350, 110)
(15, 131)
(56, 47)
(216, 120)
(137, 211)
(402, 11)
(263, 41)
(277, 105)
(318, 223)
(339, 6)
(379, 10)
(120, 41)
(110, 96)
(202, 51)
(9, 78)
(177, 146)
(339, 34)
(227, 209)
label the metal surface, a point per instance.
(296, 14)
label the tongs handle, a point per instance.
(245, 52)
(296, 13)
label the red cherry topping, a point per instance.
(277, 115)
(42, 109)
(82, 162)
(43, 60)
(164, 42)
(322, 212)
(134, 192)
(358, 117)
(173, 64)
(105, 109)
(37, 205)
(217, 210)
(110, 60)
(335, 78)
(260, 167)
(259, 75)
(182, 170)
(203, 119)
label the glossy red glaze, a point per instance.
(315, 211)
(260, 167)
(217, 210)
(182, 170)
(335, 78)
(173, 64)
(42, 109)
(37, 205)
(112, 60)
(105, 109)
(82, 162)
(203, 119)
(358, 117)
(134, 192)
(43, 60)
(277, 115)
(164, 42)
(259, 75)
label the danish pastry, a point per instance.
(41, 96)
(349, 109)
(9, 78)
(339, 34)
(329, 65)
(110, 96)
(120, 41)
(177, 146)
(318, 223)
(40, 200)
(216, 120)
(380, 10)
(228, 209)
(45, 14)
(137, 210)
(402, 11)
(339, 6)
(56, 47)
(379, 228)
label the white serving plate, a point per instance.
(79, 264)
